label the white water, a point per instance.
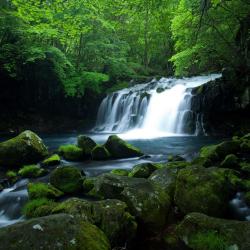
(142, 112)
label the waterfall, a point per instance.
(154, 109)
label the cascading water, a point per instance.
(155, 109)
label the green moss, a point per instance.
(71, 152)
(67, 179)
(245, 167)
(230, 161)
(32, 171)
(100, 153)
(121, 172)
(86, 144)
(143, 170)
(42, 190)
(38, 207)
(52, 160)
(118, 148)
(88, 184)
(208, 241)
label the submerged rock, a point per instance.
(67, 179)
(53, 232)
(111, 216)
(26, 148)
(118, 148)
(149, 203)
(100, 153)
(199, 231)
(205, 190)
(71, 152)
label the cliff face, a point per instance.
(222, 106)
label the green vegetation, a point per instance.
(71, 152)
(31, 171)
(208, 241)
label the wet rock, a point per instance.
(100, 153)
(143, 170)
(111, 216)
(121, 172)
(32, 171)
(52, 160)
(86, 144)
(71, 153)
(67, 179)
(53, 232)
(205, 190)
(199, 231)
(26, 148)
(118, 148)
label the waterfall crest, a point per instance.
(154, 109)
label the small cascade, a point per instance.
(11, 202)
(158, 108)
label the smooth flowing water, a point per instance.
(155, 109)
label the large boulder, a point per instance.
(121, 149)
(26, 148)
(148, 202)
(143, 170)
(199, 231)
(53, 232)
(167, 175)
(86, 144)
(111, 216)
(100, 153)
(204, 190)
(67, 179)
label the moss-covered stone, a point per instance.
(121, 172)
(245, 167)
(86, 144)
(71, 152)
(67, 179)
(148, 202)
(230, 161)
(172, 158)
(52, 160)
(143, 170)
(32, 171)
(38, 208)
(12, 176)
(214, 153)
(111, 216)
(201, 232)
(100, 153)
(88, 184)
(53, 232)
(205, 190)
(26, 148)
(118, 148)
(166, 176)
(42, 190)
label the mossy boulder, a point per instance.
(52, 160)
(143, 170)
(215, 153)
(230, 161)
(100, 153)
(201, 232)
(38, 208)
(32, 171)
(86, 144)
(166, 176)
(118, 148)
(12, 176)
(205, 190)
(53, 232)
(43, 190)
(88, 184)
(149, 203)
(121, 172)
(111, 216)
(26, 148)
(71, 152)
(67, 179)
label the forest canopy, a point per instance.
(88, 44)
